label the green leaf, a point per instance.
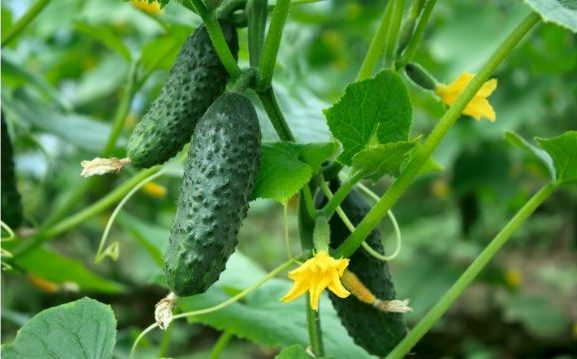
(152, 238)
(84, 328)
(60, 269)
(88, 133)
(563, 151)
(560, 12)
(106, 36)
(286, 167)
(296, 352)
(375, 161)
(262, 318)
(539, 153)
(538, 314)
(376, 110)
(160, 53)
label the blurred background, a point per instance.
(62, 80)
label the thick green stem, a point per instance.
(341, 194)
(26, 19)
(275, 114)
(409, 24)
(220, 344)
(470, 274)
(87, 213)
(122, 110)
(217, 38)
(377, 45)
(408, 175)
(272, 43)
(418, 34)
(315, 333)
(394, 28)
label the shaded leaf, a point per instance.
(539, 153)
(296, 352)
(372, 111)
(60, 269)
(106, 36)
(563, 151)
(84, 328)
(286, 167)
(262, 318)
(375, 161)
(560, 12)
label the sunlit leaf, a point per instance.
(377, 110)
(560, 12)
(81, 329)
(383, 159)
(563, 151)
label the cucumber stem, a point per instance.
(417, 35)
(271, 45)
(314, 326)
(24, 21)
(272, 108)
(470, 273)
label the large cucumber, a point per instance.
(222, 166)
(11, 202)
(196, 80)
(377, 332)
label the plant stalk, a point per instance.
(394, 29)
(315, 333)
(341, 194)
(24, 21)
(272, 43)
(394, 192)
(272, 108)
(377, 45)
(417, 36)
(470, 274)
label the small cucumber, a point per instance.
(377, 332)
(222, 166)
(195, 81)
(11, 202)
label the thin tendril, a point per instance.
(226, 303)
(7, 228)
(112, 250)
(286, 230)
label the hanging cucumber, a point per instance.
(374, 330)
(222, 166)
(11, 202)
(195, 81)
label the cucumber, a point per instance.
(377, 332)
(11, 202)
(195, 81)
(219, 176)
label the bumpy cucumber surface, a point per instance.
(223, 162)
(11, 202)
(196, 80)
(375, 331)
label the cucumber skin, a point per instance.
(377, 332)
(223, 162)
(195, 81)
(11, 201)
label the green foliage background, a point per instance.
(61, 83)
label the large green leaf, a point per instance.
(377, 110)
(81, 329)
(261, 316)
(378, 160)
(560, 12)
(286, 167)
(563, 151)
(60, 269)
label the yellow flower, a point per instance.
(320, 272)
(479, 106)
(154, 190)
(151, 8)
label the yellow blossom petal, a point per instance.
(479, 106)
(149, 7)
(315, 275)
(155, 190)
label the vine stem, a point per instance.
(470, 274)
(220, 344)
(417, 36)
(217, 38)
(394, 29)
(24, 21)
(341, 194)
(86, 213)
(314, 327)
(272, 108)
(394, 192)
(377, 45)
(272, 43)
